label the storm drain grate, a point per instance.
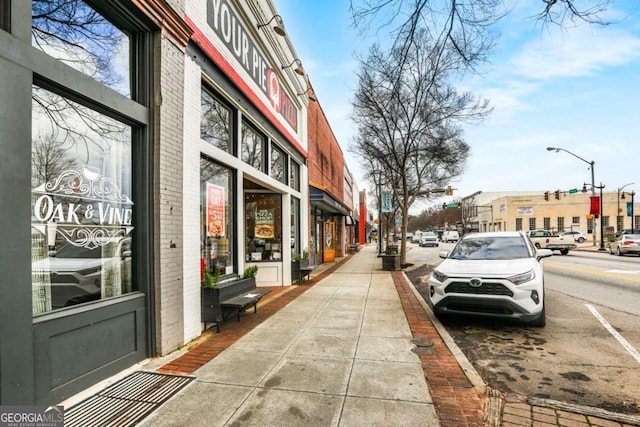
(126, 402)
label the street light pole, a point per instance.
(618, 214)
(600, 187)
(378, 182)
(593, 184)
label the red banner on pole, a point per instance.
(595, 205)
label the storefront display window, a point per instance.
(74, 33)
(215, 123)
(295, 227)
(278, 164)
(263, 222)
(82, 207)
(252, 144)
(294, 178)
(216, 220)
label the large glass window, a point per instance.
(263, 222)
(74, 33)
(252, 146)
(294, 178)
(82, 207)
(295, 227)
(215, 122)
(216, 218)
(278, 164)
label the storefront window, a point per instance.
(5, 15)
(263, 222)
(216, 220)
(252, 144)
(295, 227)
(215, 123)
(278, 164)
(82, 206)
(72, 32)
(294, 178)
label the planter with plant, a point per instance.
(391, 261)
(214, 291)
(299, 261)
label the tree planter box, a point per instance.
(212, 298)
(391, 262)
(296, 269)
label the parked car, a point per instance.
(495, 274)
(76, 272)
(577, 235)
(627, 231)
(625, 244)
(416, 237)
(409, 236)
(450, 236)
(429, 238)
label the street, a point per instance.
(588, 352)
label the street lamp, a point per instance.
(377, 178)
(618, 214)
(632, 194)
(600, 187)
(593, 183)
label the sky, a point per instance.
(576, 88)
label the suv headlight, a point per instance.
(88, 271)
(522, 278)
(440, 277)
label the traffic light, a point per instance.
(444, 206)
(557, 194)
(448, 191)
(546, 196)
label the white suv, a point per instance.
(496, 274)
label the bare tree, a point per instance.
(407, 117)
(465, 27)
(78, 35)
(48, 159)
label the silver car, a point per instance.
(497, 274)
(429, 238)
(625, 244)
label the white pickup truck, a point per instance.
(544, 239)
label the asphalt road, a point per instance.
(588, 352)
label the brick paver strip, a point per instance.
(456, 401)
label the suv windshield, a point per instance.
(496, 248)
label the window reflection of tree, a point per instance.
(278, 164)
(252, 143)
(76, 34)
(215, 122)
(48, 159)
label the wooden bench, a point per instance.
(233, 298)
(305, 272)
(239, 304)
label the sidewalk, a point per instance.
(349, 348)
(353, 346)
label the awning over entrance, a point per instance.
(326, 202)
(349, 221)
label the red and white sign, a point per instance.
(215, 210)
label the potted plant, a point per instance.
(214, 291)
(299, 261)
(391, 261)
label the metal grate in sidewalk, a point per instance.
(126, 402)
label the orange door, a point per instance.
(329, 253)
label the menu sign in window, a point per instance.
(215, 210)
(265, 220)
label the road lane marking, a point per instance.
(623, 271)
(615, 333)
(593, 272)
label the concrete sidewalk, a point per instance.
(338, 354)
(353, 346)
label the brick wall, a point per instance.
(168, 227)
(326, 161)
